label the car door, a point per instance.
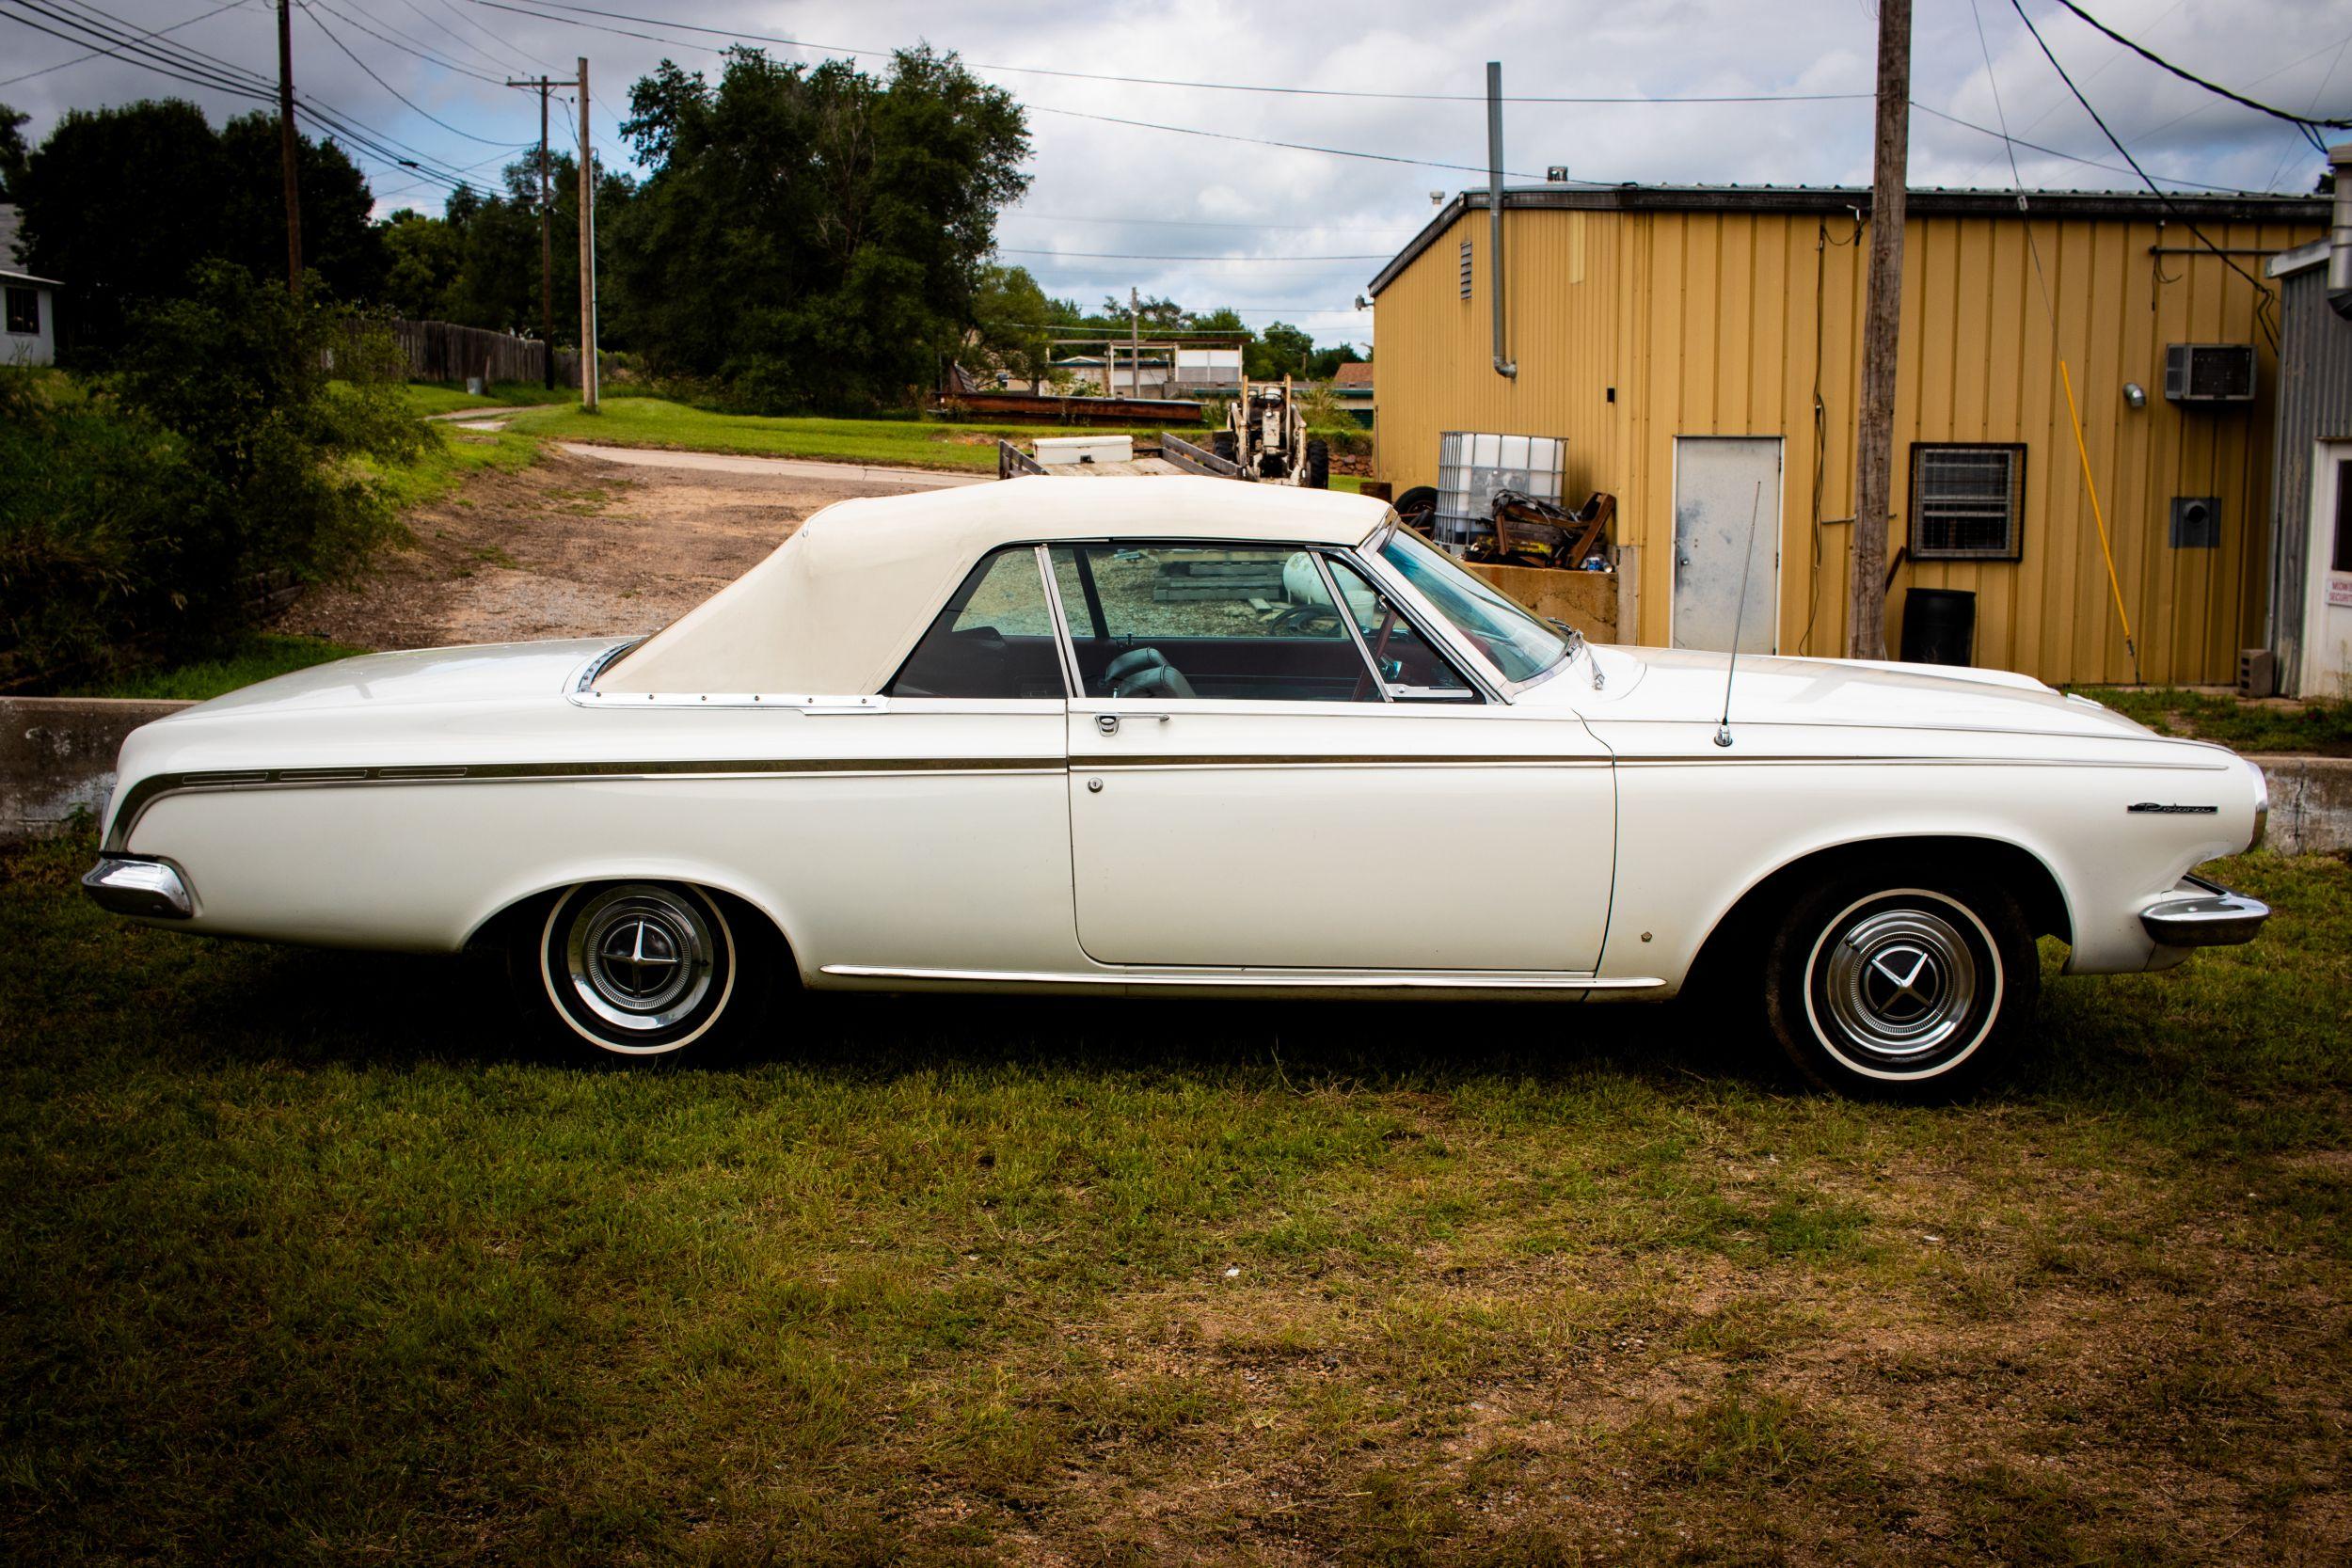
(1247, 790)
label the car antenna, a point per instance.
(1756, 509)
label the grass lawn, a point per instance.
(2317, 727)
(644, 422)
(427, 397)
(310, 1259)
(249, 656)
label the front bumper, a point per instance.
(2199, 913)
(130, 885)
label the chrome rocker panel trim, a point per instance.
(1285, 980)
(2204, 914)
(135, 885)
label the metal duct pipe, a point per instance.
(1503, 363)
(2340, 236)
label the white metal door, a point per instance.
(2327, 601)
(1338, 835)
(1726, 531)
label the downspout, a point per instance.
(1505, 364)
(2339, 235)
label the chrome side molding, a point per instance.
(131, 884)
(2203, 914)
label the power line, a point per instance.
(311, 10)
(2261, 290)
(1245, 260)
(1291, 146)
(2013, 142)
(188, 64)
(2309, 124)
(1197, 223)
(512, 48)
(94, 53)
(411, 46)
(1216, 86)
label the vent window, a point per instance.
(1467, 269)
(1967, 502)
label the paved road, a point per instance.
(783, 468)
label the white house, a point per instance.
(28, 322)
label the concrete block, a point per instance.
(58, 758)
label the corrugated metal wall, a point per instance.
(2314, 405)
(1706, 323)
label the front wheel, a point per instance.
(1896, 990)
(637, 968)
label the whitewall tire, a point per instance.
(638, 969)
(1894, 987)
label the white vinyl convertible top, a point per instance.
(838, 607)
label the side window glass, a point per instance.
(1407, 664)
(1244, 623)
(994, 639)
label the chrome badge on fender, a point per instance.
(2174, 810)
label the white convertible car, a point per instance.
(1176, 735)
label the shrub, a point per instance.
(228, 448)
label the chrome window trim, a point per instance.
(1493, 686)
(1347, 619)
(1477, 693)
(1073, 686)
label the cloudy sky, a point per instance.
(1112, 203)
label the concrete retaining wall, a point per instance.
(58, 758)
(2311, 804)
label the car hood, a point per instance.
(490, 673)
(1686, 685)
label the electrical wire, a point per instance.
(2066, 376)
(2311, 126)
(1208, 86)
(410, 45)
(1125, 256)
(2260, 290)
(94, 53)
(310, 8)
(192, 66)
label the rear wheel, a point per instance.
(1891, 989)
(639, 968)
(1318, 465)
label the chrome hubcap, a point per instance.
(640, 956)
(1901, 983)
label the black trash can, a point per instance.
(1939, 626)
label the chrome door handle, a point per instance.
(1109, 723)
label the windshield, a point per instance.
(1521, 646)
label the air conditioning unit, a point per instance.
(2209, 372)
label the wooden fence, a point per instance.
(443, 351)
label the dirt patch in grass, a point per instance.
(570, 547)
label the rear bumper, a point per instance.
(2199, 913)
(133, 885)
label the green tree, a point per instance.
(13, 152)
(1011, 326)
(1280, 350)
(813, 235)
(121, 203)
(422, 259)
(339, 241)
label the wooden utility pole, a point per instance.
(1135, 342)
(587, 251)
(289, 149)
(546, 239)
(1881, 330)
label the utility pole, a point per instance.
(288, 148)
(547, 242)
(1881, 330)
(587, 251)
(1135, 343)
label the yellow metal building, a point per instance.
(1649, 324)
